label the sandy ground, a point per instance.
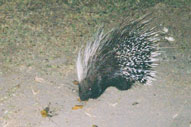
(166, 103)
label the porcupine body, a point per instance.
(119, 58)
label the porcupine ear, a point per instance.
(86, 56)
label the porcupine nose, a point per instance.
(83, 96)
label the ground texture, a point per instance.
(39, 42)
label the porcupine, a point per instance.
(119, 58)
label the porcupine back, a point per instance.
(118, 58)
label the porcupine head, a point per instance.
(119, 58)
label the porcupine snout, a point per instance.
(84, 90)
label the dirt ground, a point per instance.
(44, 82)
